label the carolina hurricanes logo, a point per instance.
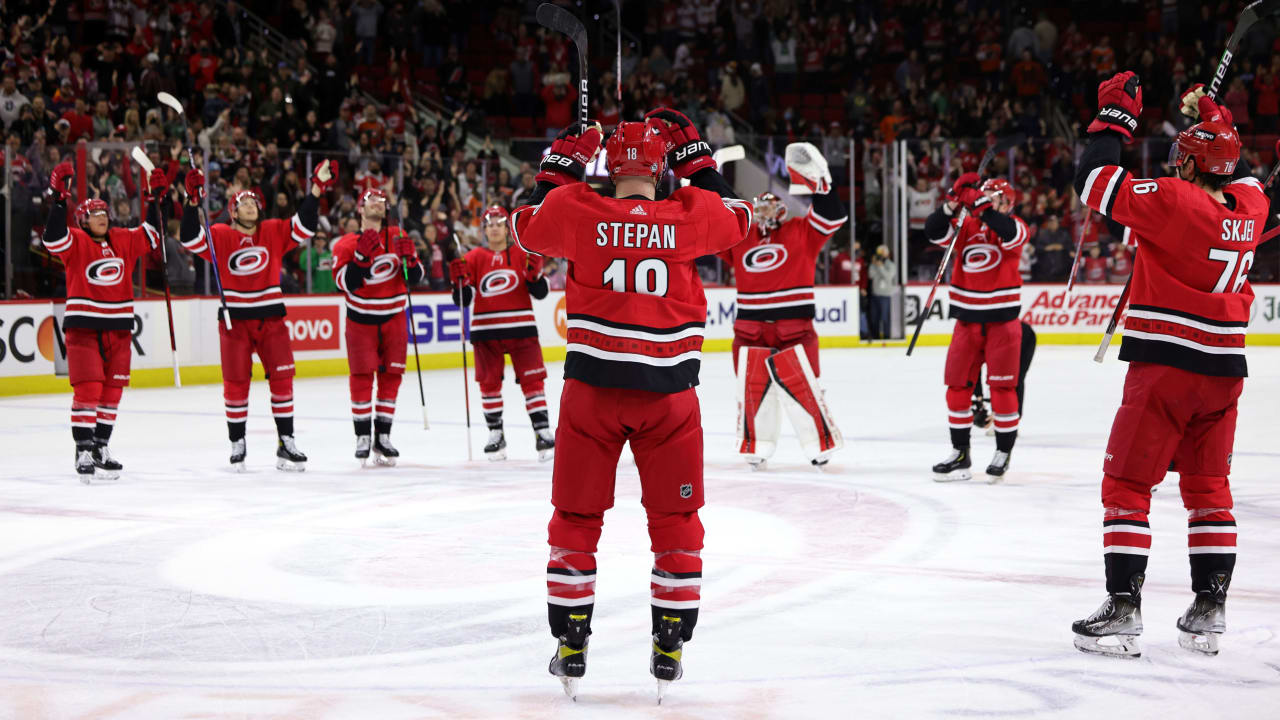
(981, 257)
(498, 282)
(383, 269)
(107, 271)
(763, 258)
(248, 260)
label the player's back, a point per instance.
(1190, 299)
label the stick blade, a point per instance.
(166, 99)
(562, 21)
(140, 156)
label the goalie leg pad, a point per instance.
(790, 371)
(759, 418)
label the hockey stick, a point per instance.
(617, 6)
(1001, 145)
(176, 105)
(462, 343)
(554, 17)
(723, 156)
(1075, 264)
(408, 295)
(140, 156)
(1245, 22)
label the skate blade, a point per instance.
(237, 467)
(759, 465)
(545, 455)
(86, 478)
(1205, 644)
(106, 474)
(953, 476)
(290, 466)
(496, 456)
(570, 685)
(996, 479)
(364, 461)
(384, 460)
(1126, 646)
(662, 689)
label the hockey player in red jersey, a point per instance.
(986, 300)
(370, 268)
(636, 312)
(775, 348)
(98, 320)
(502, 279)
(1184, 339)
(249, 253)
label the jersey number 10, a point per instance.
(1232, 259)
(650, 276)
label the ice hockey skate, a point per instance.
(238, 452)
(665, 660)
(85, 466)
(757, 464)
(1206, 618)
(384, 453)
(1112, 629)
(955, 468)
(105, 466)
(998, 467)
(570, 661)
(495, 448)
(364, 444)
(288, 458)
(545, 444)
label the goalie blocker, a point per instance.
(769, 380)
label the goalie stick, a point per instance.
(1001, 145)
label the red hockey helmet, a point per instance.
(1215, 147)
(769, 200)
(242, 195)
(1001, 188)
(91, 206)
(636, 149)
(495, 215)
(370, 194)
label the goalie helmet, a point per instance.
(636, 149)
(370, 194)
(90, 206)
(1214, 146)
(767, 200)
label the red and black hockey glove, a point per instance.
(1211, 111)
(687, 152)
(967, 180)
(157, 185)
(974, 199)
(60, 181)
(366, 248)
(532, 267)
(325, 175)
(458, 272)
(194, 185)
(570, 152)
(1119, 105)
(407, 251)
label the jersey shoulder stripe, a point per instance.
(1102, 186)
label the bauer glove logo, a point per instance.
(1117, 114)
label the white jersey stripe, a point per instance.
(635, 357)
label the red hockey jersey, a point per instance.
(503, 306)
(774, 271)
(249, 265)
(1189, 297)
(382, 294)
(636, 309)
(986, 285)
(100, 275)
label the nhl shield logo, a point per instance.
(686, 491)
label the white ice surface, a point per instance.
(184, 590)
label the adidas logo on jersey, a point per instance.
(638, 210)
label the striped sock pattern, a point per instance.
(1126, 543)
(491, 405)
(675, 587)
(571, 586)
(1211, 545)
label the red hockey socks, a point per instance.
(85, 398)
(107, 406)
(1126, 542)
(282, 404)
(361, 402)
(1211, 547)
(959, 416)
(675, 585)
(236, 397)
(384, 410)
(571, 569)
(491, 404)
(1004, 413)
(535, 403)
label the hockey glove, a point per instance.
(194, 185)
(458, 272)
(974, 199)
(1191, 101)
(532, 267)
(1119, 105)
(60, 181)
(570, 152)
(967, 180)
(687, 152)
(808, 169)
(325, 175)
(407, 251)
(366, 248)
(157, 185)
